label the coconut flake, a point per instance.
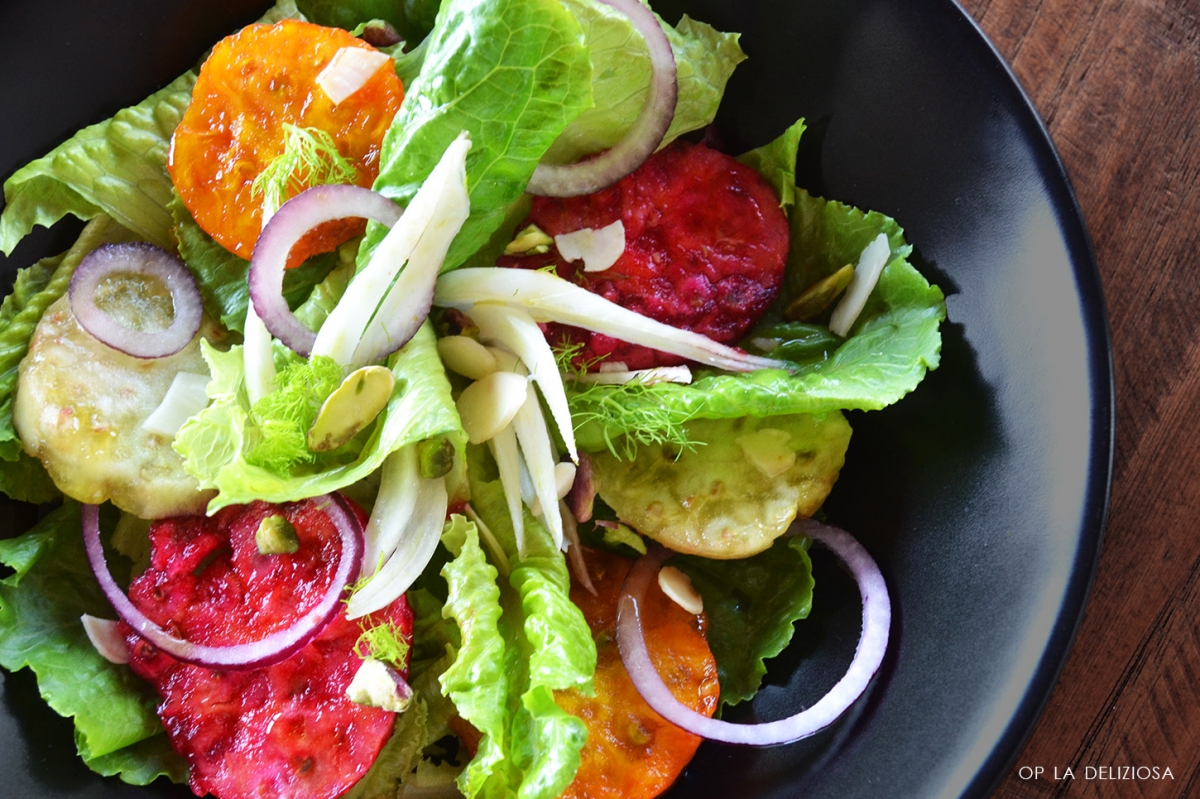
(106, 637)
(870, 265)
(598, 248)
(348, 70)
(184, 399)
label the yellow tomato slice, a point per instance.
(631, 751)
(252, 84)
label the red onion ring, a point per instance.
(294, 218)
(641, 140)
(143, 260)
(877, 616)
(582, 497)
(265, 652)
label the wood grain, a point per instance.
(1118, 84)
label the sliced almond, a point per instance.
(505, 360)
(678, 588)
(348, 70)
(488, 405)
(564, 478)
(598, 248)
(466, 356)
(353, 406)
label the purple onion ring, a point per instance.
(294, 218)
(642, 138)
(267, 651)
(877, 616)
(142, 260)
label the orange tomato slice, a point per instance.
(631, 751)
(252, 84)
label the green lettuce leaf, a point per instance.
(704, 58)
(117, 731)
(891, 346)
(476, 682)
(512, 73)
(26, 480)
(532, 745)
(140, 763)
(117, 167)
(751, 605)
(436, 639)
(215, 442)
(776, 162)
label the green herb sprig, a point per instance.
(310, 157)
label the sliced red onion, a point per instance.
(273, 648)
(295, 218)
(582, 496)
(575, 550)
(643, 137)
(141, 260)
(877, 616)
(105, 635)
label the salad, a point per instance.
(384, 507)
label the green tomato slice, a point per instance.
(735, 494)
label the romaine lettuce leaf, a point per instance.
(776, 162)
(476, 681)
(26, 480)
(891, 346)
(117, 731)
(751, 605)
(214, 443)
(522, 641)
(704, 59)
(117, 167)
(140, 763)
(512, 73)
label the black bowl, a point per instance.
(983, 495)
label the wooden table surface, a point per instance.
(1118, 84)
